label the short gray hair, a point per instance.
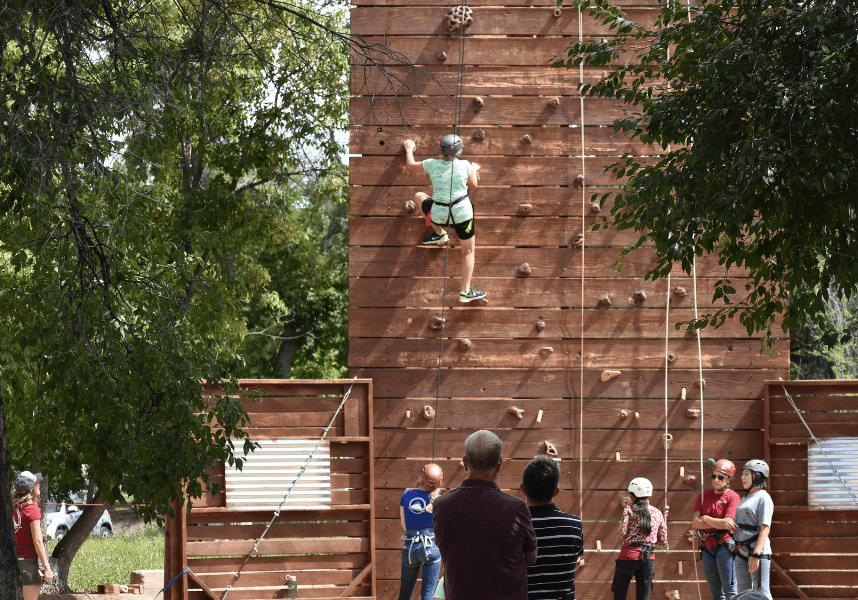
(483, 451)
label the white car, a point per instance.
(61, 518)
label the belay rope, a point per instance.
(458, 111)
(289, 491)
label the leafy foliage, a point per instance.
(753, 107)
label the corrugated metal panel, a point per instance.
(269, 471)
(825, 490)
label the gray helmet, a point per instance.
(451, 145)
(757, 466)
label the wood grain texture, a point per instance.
(598, 414)
(565, 383)
(517, 232)
(599, 140)
(544, 201)
(519, 110)
(598, 444)
(522, 293)
(503, 262)
(420, 20)
(564, 353)
(611, 323)
(538, 79)
(603, 475)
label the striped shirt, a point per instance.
(560, 541)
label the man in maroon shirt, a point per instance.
(485, 536)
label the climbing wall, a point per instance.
(576, 345)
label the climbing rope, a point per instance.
(458, 112)
(816, 440)
(276, 514)
(666, 363)
(701, 384)
(583, 273)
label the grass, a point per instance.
(111, 560)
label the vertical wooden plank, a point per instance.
(168, 556)
(767, 421)
(351, 411)
(372, 541)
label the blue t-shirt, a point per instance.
(415, 503)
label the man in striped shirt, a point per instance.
(560, 537)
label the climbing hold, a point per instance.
(550, 449)
(618, 457)
(479, 103)
(582, 562)
(524, 209)
(579, 239)
(700, 384)
(640, 296)
(666, 439)
(479, 134)
(465, 344)
(410, 206)
(518, 412)
(428, 413)
(442, 56)
(598, 545)
(457, 17)
(672, 594)
(637, 416)
(690, 535)
(545, 351)
(437, 322)
(554, 102)
(579, 179)
(523, 270)
(605, 301)
(692, 413)
(682, 471)
(624, 414)
(539, 416)
(462, 464)
(557, 12)
(689, 480)
(595, 208)
(680, 291)
(683, 394)
(526, 140)
(407, 413)
(540, 325)
(671, 357)
(608, 375)
(679, 566)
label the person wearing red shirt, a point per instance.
(714, 519)
(27, 519)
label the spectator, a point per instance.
(485, 536)
(27, 519)
(559, 536)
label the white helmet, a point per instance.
(641, 487)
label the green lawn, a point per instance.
(111, 560)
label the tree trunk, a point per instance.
(286, 353)
(65, 550)
(10, 580)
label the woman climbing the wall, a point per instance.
(753, 521)
(643, 526)
(450, 204)
(415, 514)
(713, 518)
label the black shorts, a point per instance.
(29, 570)
(465, 230)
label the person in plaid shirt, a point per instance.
(642, 528)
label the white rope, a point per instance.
(583, 273)
(700, 383)
(815, 439)
(255, 548)
(666, 362)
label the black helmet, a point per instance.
(451, 145)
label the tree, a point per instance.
(753, 107)
(141, 149)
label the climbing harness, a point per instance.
(276, 514)
(424, 538)
(749, 543)
(465, 14)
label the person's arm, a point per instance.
(410, 146)
(662, 533)
(474, 176)
(402, 518)
(38, 544)
(624, 526)
(707, 522)
(754, 562)
(530, 557)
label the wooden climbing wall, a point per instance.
(543, 343)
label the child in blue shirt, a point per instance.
(450, 204)
(415, 514)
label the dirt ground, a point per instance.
(124, 520)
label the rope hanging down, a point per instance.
(458, 112)
(819, 445)
(701, 383)
(289, 491)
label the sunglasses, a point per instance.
(719, 477)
